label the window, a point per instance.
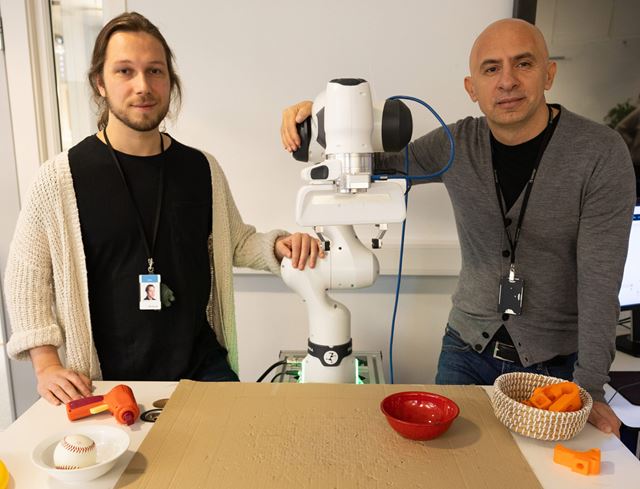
(74, 25)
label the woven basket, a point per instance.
(536, 423)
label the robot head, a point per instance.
(345, 120)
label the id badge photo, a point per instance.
(510, 296)
(150, 292)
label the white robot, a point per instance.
(342, 134)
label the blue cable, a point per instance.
(409, 179)
(395, 305)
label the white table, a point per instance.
(620, 469)
(42, 419)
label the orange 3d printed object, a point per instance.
(562, 397)
(119, 401)
(585, 463)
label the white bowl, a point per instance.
(110, 442)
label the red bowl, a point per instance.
(419, 415)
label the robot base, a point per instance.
(368, 363)
(314, 371)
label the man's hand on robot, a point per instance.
(300, 248)
(290, 117)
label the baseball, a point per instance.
(74, 452)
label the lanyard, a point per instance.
(149, 248)
(513, 242)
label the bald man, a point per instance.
(543, 200)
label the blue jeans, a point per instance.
(460, 364)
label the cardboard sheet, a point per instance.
(250, 436)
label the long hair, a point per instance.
(127, 22)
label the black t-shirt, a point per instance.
(145, 345)
(514, 164)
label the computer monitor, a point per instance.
(630, 290)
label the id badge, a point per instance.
(510, 296)
(150, 292)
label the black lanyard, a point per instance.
(149, 249)
(513, 242)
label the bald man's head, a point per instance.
(502, 30)
(509, 73)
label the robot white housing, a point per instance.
(343, 133)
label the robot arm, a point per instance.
(348, 264)
(344, 132)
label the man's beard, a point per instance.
(143, 125)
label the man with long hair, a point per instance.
(127, 206)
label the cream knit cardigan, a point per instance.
(46, 276)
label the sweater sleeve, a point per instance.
(427, 154)
(602, 243)
(250, 249)
(29, 276)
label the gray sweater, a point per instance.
(572, 246)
